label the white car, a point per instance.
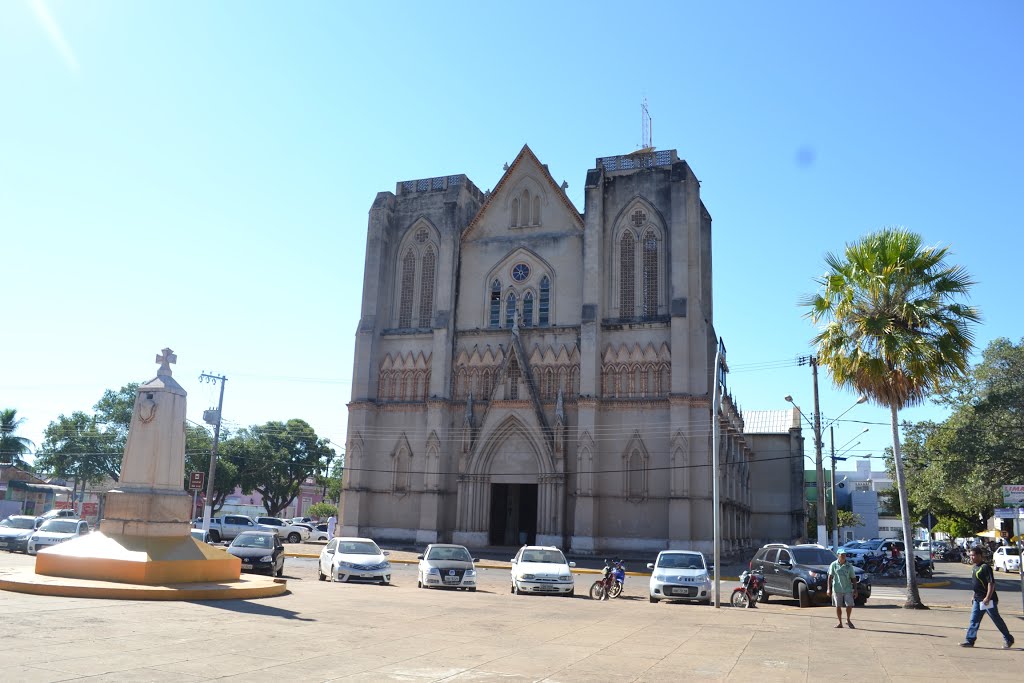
(680, 575)
(54, 531)
(320, 533)
(443, 565)
(354, 559)
(542, 569)
(292, 533)
(1006, 558)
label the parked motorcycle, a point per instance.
(749, 591)
(923, 567)
(601, 589)
(619, 574)
(886, 566)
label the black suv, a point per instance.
(800, 572)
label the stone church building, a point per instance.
(527, 373)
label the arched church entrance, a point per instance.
(513, 514)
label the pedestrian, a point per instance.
(331, 523)
(841, 577)
(986, 601)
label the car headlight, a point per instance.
(565, 577)
(527, 577)
(815, 575)
(346, 565)
(268, 558)
(433, 570)
(470, 572)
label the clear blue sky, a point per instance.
(198, 176)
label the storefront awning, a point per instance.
(39, 488)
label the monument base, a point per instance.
(138, 560)
(247, 587)
(146, 512)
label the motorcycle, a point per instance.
(619, 574)
(746, 595)
(602, 588)
(923, 567)
(886, 566)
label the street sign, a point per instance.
(928, 521)
(1006, 513)
(1013, 494)
(196, 481)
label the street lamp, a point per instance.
(819, 470)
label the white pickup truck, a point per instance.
(227, 527)
(293, 533)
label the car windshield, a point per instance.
(60, 526)
(252, 541)
(450, 554)
(853, 545)
(18, 522)
(813, 556)
(681, 561)
(545, 556)
(358, 548)
(1012, 551)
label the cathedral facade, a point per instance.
(526, 373)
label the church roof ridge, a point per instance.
(560, 193)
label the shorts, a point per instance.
(842, 599)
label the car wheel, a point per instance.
(860, 602)
(803, 595)
(323, 577)
(214, 536)
(653, 599)
(293, 537)
(571, 593)
(762, 596)
(419, 584)
(280, 572)
(384, 582)
(472, 589)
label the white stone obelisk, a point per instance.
(150, 499)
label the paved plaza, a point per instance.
(326, 632)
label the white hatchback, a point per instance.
(354, 559)
(443, 565)
(54, 531)
(542, 569)
(680, 575)
(1006, 558)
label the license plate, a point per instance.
(3, 544)
(680, 591)
(451, 579)
(246, 566)
(366, 576)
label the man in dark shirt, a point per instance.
(985, 602)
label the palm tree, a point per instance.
(891, 328)
(12, 447)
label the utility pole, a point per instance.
(820, 473)
(212, 418)
(835, 508)
(716, 402)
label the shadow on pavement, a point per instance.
(245, 607)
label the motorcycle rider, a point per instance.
(841, 578)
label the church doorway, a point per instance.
(513, 514)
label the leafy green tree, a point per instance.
(198, 444)
(80, 447)
(892, 329)
(847, 518)
(275, 458)
(322, 510)
(13, 448)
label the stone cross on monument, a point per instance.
(165, 358)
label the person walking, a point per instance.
(332, 521)
(841, 577)
(986, 601)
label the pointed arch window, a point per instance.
(513, 379)
(528, 309)
(408, 283)
(544, 304)
(536, 210)
(627, 275)
(427, 288)
(524, 208)
(650, 274)
(495, 320)
(515, 213)
(485, 385)
(510, 309)
(403, 460)
(636, 475)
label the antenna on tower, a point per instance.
(646, 127)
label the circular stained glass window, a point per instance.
(520, 272)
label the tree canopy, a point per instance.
(13, 448)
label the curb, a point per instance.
(935, 584)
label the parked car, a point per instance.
(260, 551)
(320, 533)
(860, 552)
(443, 565)
(62, 512)
(542, 569)
(292, 533)
(354, 559)
(680, 575)
(228, 527)
(201, 535)
(54, 531)
(800, 572)
(1006, 558)
(15, 530)
(304, 520)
